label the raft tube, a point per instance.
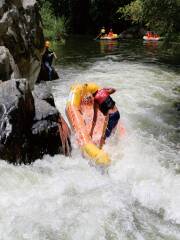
(151, 38)
(75, 117)
(114, 37)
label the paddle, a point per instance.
(98, 36)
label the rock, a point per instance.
(133, 32)
(21, 33)
(50, 133)
(43, 74)
(44, 110)
(45, 131)
(16, 115)
(5, 66)
(29, 126)
(43, 92)
(8, 68)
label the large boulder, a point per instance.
(45, 130)
(42, 91)
(29, 126)
(49, 125)
(21, 33)
(16, 115)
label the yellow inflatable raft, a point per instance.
(106, 37)
(79, 110)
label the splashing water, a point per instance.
(139, 196)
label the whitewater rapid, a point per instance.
(66, 198)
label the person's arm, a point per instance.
(110, 90)
(54, 55)
(94, 118)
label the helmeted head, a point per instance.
(47, 44)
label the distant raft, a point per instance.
(113, 37)
(146, 38)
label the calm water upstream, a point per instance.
(60, 198)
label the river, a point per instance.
(66, 198)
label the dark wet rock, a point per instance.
(8, 68)
(5, 66)
(43, 74)
(29, 126)
(45, 130)
(50, 133)
(177, 106)
(16, 115)
(21, 33)
(133, 32)
(43, 92)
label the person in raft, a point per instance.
(47, 59)
(102, 32)
(104, 102)
(110, 34)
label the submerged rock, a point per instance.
(29, 126)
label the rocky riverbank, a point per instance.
(30, 124)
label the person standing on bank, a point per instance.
(107, 106)
(47, 59)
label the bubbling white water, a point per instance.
(138, 198)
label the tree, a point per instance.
(162, 16)
(54, 27)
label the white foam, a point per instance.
(67, 198)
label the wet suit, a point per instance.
(105, 102)
(47, 59)
(113, 120)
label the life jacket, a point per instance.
(101, 95)
(110, 34)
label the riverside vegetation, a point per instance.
(85, 17)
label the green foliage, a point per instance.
(104, 12)
(132, 11)
(87, 16)
(161, 16)
(54, 27)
